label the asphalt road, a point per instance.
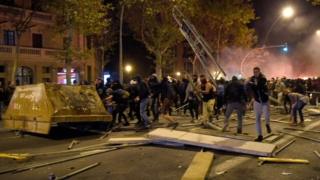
(161, 162)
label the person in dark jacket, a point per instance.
(119, 97)
(143, 95)
(259, 89)
(100, 88)
(166, 98)
(134, 109)
(235, 98)
(155, 89)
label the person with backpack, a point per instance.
(235, 98)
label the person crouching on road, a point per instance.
(207, 91)
(258, 85)
(298, 101)
(236, 98)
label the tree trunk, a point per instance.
(16, 60)
(159, 64)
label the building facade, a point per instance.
(40, 47)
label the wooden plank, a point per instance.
(129, 140)
(297, 129)
(213, 142)
(199, 167)
(317, 153)
(283, 160)
(301, 136)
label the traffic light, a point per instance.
(285, 49)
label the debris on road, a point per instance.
(301, 136)
(15, 156)
(74, 142)
(297, 129)
(283, 160)
(129, 140)
(285, 173)
(317, 153)
(213, 142)
(283, 147)
(34, 166)
(199, 167)
(78, 171)
(273, 138)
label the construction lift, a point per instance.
(199, 46)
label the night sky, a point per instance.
(293, 31)
(303, 24)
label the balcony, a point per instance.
(37, 17)
(30, 54)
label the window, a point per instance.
(37, 40)
(46, 70)
(36, 5)
(89, 73)
(46, 80)
(7, 2)
(2, 69)
(89, 42)
(9, 38)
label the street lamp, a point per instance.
(128, 68)
(318, 32)
(287, 12)
(178, 74)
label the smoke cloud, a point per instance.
(301, 62)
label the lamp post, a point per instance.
(128, 69)
(287, 12)
(251, 51)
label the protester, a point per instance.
(236, 98)
(154, 86)
(258, 85)
(143, 95)
(207, 91)
(298, 101)
(192, 98)
(166, 97)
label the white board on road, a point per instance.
(213, 142)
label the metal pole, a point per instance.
(121, 47)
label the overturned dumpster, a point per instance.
(37, 108)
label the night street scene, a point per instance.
(160, 89)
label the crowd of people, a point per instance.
(151, 99)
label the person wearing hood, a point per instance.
(154, 86)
